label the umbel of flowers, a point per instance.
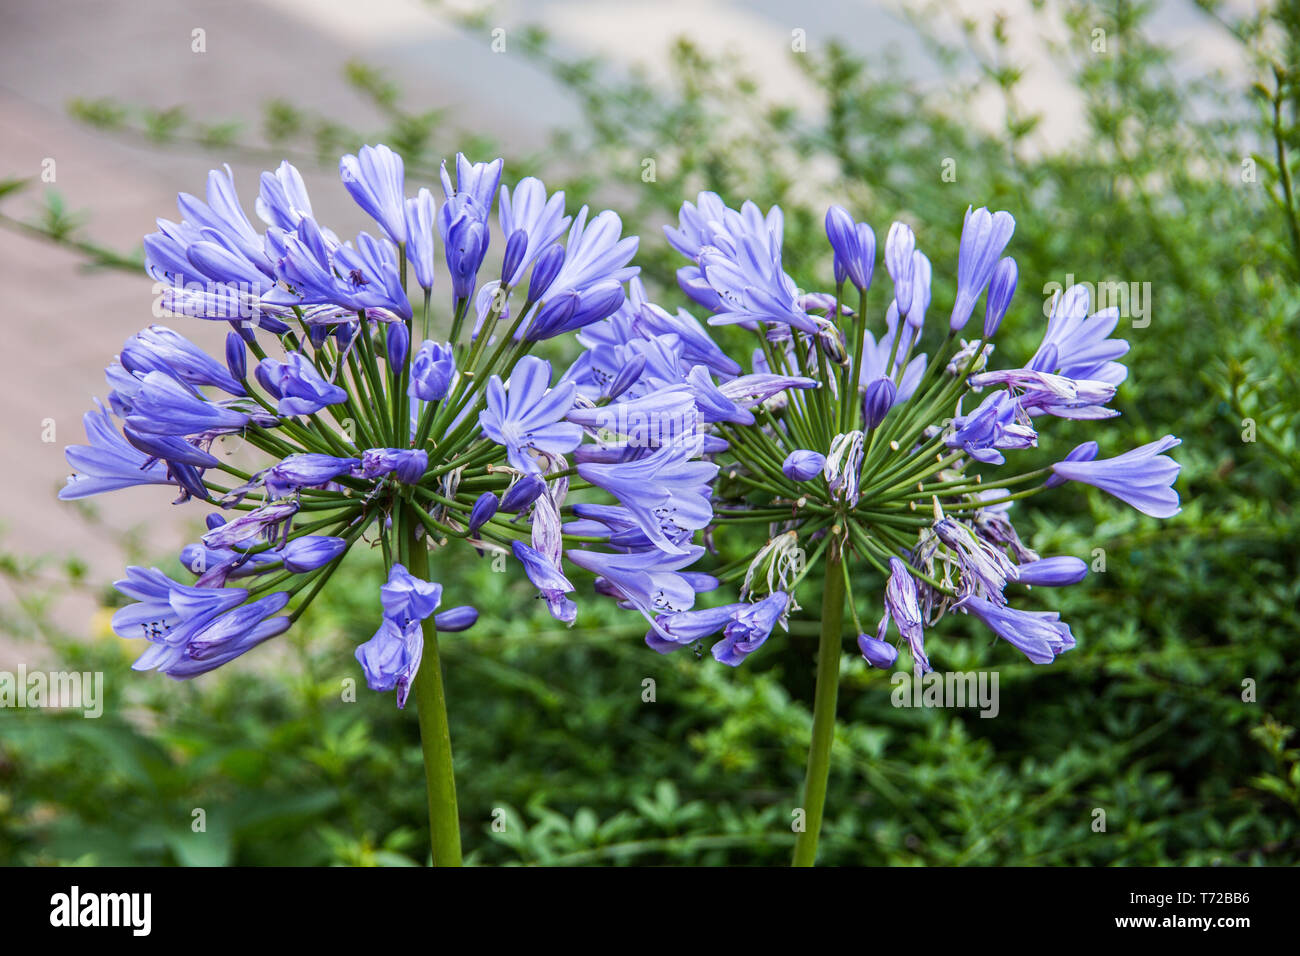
(873, 456)
(373, 432)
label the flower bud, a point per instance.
(803, 465)
(236, 359)
(998, 300)
(877, 402)
(1055, 572)
(399, 344)
(522, 494)
(878, 653)
(516, 248)
(484, 508)
(545, 270)
(454, 619)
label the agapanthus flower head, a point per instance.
(904, 429)
(369, 433)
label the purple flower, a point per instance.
(983, 237)
(375, 178)
(478, 181)
(297, 385)
(310, 470)
(855, 247)
(407, 464)
(236, 356)
(549, 580)
(527, 417)
(900, 248)
(1052, 572)
(549, 264)
(570, 309)
(651, 582)
(522, 493)
(1039, 635)
(654, 419)
(419, 213)
(666, 491)
(108, 462)
(454, 619)
(1142, 478)
(165, 406)
(462, 223)
(219, 641)
(990, 427)
(878, 653)
(595, 253)
(283, 200)
(881, 395)
(391, 658)
(406, 598)
(985, 569)
(158, 348)
(542, 218)
(1078, 346)
(310, 552)
(269, 521)
(803, 465)
(432, 371)
(167, 612)
(315, 269)
(902, 607)
(485, 506)
(750, 628)
(1001, 289)
(1045, 393)
(397, 341)
(677, 629)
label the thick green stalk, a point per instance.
(435, 734)
(823, 731)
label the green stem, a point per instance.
(823, 730)
(435, 733)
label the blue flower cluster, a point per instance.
(375, 435)
(867, 436)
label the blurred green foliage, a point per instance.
(1171, 714)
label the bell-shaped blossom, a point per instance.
(1142, 478)
(407, 465)
(1079, 346)
(297, 385)
(1039, 635)
(1055, 572)
(750, 628)
(528, 207)
(375, 177)
(855, 247)
(108, 462)
(283, 199)
(983, 237)
(666, 491)
(165, 406)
